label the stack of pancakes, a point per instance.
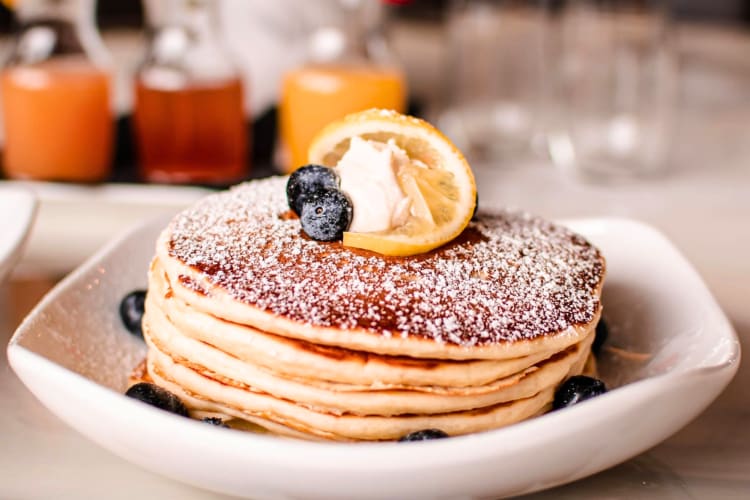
(248, 318)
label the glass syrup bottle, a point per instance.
(189, 116)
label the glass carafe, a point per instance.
(56, 95)
(189, 119)
(349, 69)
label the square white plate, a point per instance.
(17, 210)
(73, 353)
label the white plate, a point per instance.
(74, 355)
(17, 209)
(75, 220)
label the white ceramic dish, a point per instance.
(17, 210)
(74, 355)
(75, 220)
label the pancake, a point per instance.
(511, 285)
(248, 318)
(295, 358)
(216, 364)
(191, 388)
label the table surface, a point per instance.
(703, 206)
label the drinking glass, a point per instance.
(615, 77)
(496, 78)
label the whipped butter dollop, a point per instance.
(368, 173)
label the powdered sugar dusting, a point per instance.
(510, 276)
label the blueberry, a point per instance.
(602, 333)
(309, 181)
(131, 311)
(327, 215)
(576, 389)
(215, 421)
(424, 435)
(156, 396)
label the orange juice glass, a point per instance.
(58, 121)
(315, 95)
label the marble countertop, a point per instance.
(703, 206)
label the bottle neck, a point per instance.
(186, 44)
(199, 17)
(354, 35)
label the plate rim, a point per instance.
(21, 226)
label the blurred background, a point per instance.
(505, 79)
(116, 112)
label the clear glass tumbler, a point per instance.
(496, 83)
(615, 77)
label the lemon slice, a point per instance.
(438, 179)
